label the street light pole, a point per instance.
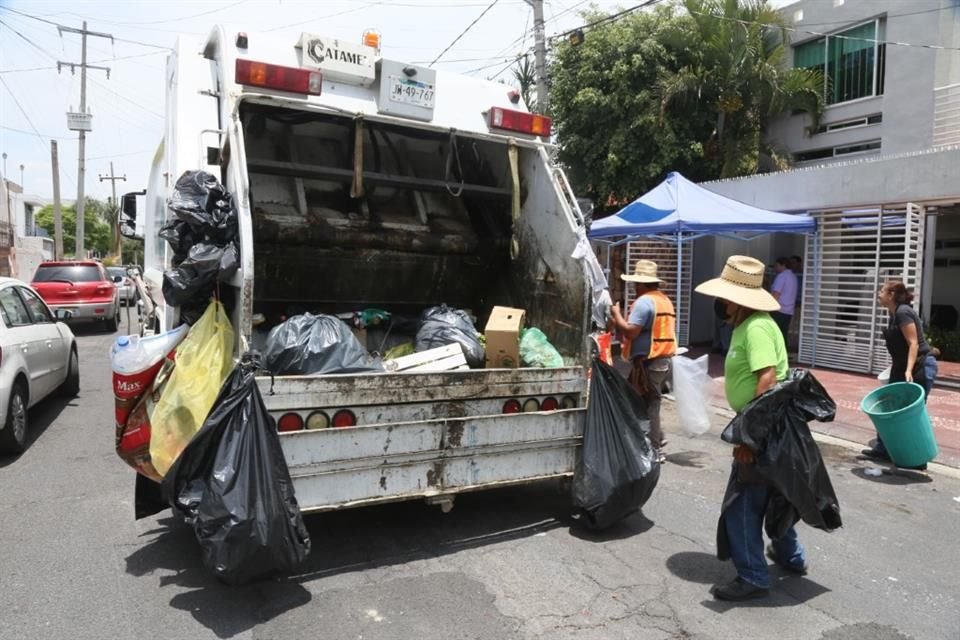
(117, 243)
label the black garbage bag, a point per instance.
(787, 458)
(180, 237)
(201, 201)
(442, 325)
(194, 278)
(232, 485)
(618, 468)
(307, 344)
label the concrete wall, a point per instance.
(920, 177)
(910, 77)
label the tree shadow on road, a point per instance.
(353, 540)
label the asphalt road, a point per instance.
(504, 564)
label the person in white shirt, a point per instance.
(784, 289)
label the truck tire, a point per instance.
(13, 436)
(71, 386)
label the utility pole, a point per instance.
(57, 214)
(540, 55)
(116, 209)
(82, 121)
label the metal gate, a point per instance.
(852, 254)
(668, 255)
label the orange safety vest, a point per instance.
(663, 333)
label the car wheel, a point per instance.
(13, 437)
(114, 322)
(71, 386)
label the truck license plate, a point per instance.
(412, 92)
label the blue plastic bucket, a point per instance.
(899, 413)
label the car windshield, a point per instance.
(68, 272)
(117, 271)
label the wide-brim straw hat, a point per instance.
(741, 282)
(644, 271)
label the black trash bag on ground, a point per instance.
(232, 485)
(202, 202)
(787, 458)
(307, 344)
(442, 325)
(618, 468)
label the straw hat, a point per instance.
(645, 271)
(741, 282)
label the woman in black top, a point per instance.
(909, 351)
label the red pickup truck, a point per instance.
(81, 287)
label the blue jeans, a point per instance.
(743, 520)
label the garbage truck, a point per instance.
(365, 182)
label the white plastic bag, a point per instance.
(691, 389)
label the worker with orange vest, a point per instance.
(649, 341)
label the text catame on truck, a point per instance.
(363, 182)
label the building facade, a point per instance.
(880, 172)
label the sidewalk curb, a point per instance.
(932, 467)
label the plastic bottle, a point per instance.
(135, 362)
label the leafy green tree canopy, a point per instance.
(96, 229)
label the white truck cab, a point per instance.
(363, 182)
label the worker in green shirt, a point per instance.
(755, 362)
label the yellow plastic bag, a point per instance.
(204, 359)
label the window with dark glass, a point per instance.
(852, 61)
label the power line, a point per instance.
(123, 97)
(19, 106)
(827, 35)
(464, 32)
(33, 133)
(169, 20)
(136, 55)
(887, 16)
(610, 18)
(61, 26)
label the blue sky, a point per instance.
(128, 108)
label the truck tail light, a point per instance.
(272, 76)
(512, 406)
(290, 422)
(344, 418)
(568, 402)
(549, 404)
(318, 420)
(531, 405)
(521, 121)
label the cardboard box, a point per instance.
(503, 337)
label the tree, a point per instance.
(615, 139)
(738, 71)
(96, 230)
(525, 75)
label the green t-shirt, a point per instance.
(756, 344)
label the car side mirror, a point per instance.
(62, 315)
(118, 279)
(128, 215)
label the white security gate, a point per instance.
(668, 255)
(853, 253)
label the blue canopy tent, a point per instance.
(680, 211)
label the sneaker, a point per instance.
(661, 457)
(876, 454)
(800, 571)
(738, 590)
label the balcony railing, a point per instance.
(946, 115)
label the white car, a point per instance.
(38, 356)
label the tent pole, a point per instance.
(679, 282)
